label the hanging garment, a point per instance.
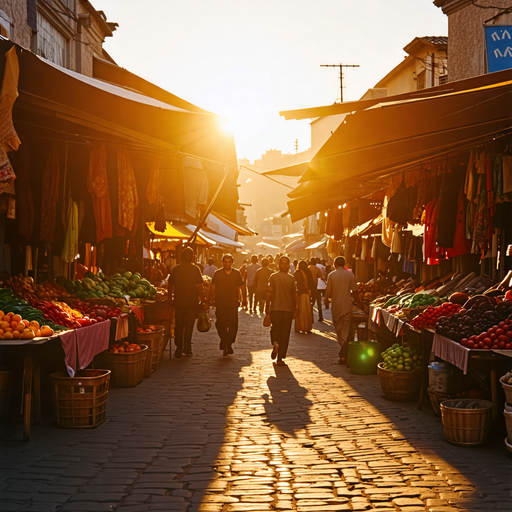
(24, 191)
(160, 223)
(369, 254)
(387, 225)
(497, 168)
(50, 196)
(127, 194)
(97, 185)
(334, 224)
(153, 190)
(421, 197)
(8, 94)
(507, 174)
(461, 245)
(480, 241)
(396, 241)
(364, 249)
(70, 247)
(397, 206)
(430, 235)
(469, 184)
(447, 218)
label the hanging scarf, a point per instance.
(127, 191)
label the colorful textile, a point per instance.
(152, 192)
(24, 197)
(127, 191)
(50, 196)
(97, 185)
(70, 247)
(8, 94)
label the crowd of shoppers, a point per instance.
(280, 289)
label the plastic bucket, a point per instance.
(439, 377)
(364, 356)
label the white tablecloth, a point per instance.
(451, 351)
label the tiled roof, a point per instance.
(436, 39)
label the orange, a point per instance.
(25, 322)
(7, 336)
(9, 329)
(1, 332)
(14, 324)
(27, 334)
(20, 327)
(4, 325)
(2, 314)
(34, 325)
(16, 318)
(7, 318)
(16, 335)
(46, 331)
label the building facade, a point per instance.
(69, 33)
(466, 22)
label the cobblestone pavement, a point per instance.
(232, 434)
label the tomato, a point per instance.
(499, 332)
(471, 344)
(501, 344)
(508, 346)
(481, 344)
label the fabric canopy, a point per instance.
(217, 239)
(178, 233)
(387, 137)
(322, 244)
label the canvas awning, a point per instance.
(215, 238)
(296, 245)
(178, 232)
(321, 244)
(375, 143)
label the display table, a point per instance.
(464, 358)
(378, 317)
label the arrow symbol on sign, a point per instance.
(495, 36)
(503, 34)
(508, 52)
(497, 53)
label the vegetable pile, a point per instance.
(125, 347)
(401, 359)
(478, 317)
(100, 286)
(95, 311)
(428, 318)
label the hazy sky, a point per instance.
(249, 59)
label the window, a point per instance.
(5, 25)
(51, 44)
(443, 79)
(421, 80)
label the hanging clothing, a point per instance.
(8, 94)
(153, 189)
(70, 247)
(396, 240)
(334, 224)
(447, 218)
(24, 197)
(431, 256)
(397, 210)
(461, 245)
(97, 185)
(127, 191)
(387, 225)
(50, 196)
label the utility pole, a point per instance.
(341, 66)
(296, 145)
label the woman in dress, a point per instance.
(305, 284)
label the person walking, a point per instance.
(210, 269)
(225, 287)
(261, 285)
(305, 285)
(185, 294)
(250, 275)
(317, 274)
(340, 284)
(282, 307)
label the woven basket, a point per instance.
(508, 390)
(399, 386)
(127, 368)
(466, 427)
(154, 340)
(508, 421)
(436, 398)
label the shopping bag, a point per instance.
(267, 322)
(203, 322)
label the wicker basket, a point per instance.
(508, 390)
(466, 427)
(80, 401)
(154, 340)
(436, 398)
(399, 386)
(127, 369)
(508, 421)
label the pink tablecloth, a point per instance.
(451, 351)
(81, 345)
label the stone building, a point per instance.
(466, 21)
(69, 33)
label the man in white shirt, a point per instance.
(340, 284)
(210, 269)
(250, 275)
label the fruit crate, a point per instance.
(466, 427)
(127, 368)
(154, 340)
(80, 401)
(399, 386)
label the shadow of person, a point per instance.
(287, 406)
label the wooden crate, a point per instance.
(466, 427)
(154, 340)
(80, 401)
(399, 386)
(127, 368)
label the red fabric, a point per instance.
(68, 342)
(430, 235)
(97, 184)
(90, 341)
(138, 312)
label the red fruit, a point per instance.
(499, 332)
(464, 342)
(471, 344)
(501, 324)
(503, 338)
(508, 346)
(509, 334)
(481, 344)
(487, 347)
(493, 336)
(501, 344)
(495, 346)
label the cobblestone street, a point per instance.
(233, 434)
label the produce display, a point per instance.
(479, 324)
(429, 318)
(25, 288)
(116, 286)
(507, 378)
(14, 327)
(401, 359)
(369, 291)
(95, 311)
(11, 304)
(124, 348)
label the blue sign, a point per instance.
(498, 40)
